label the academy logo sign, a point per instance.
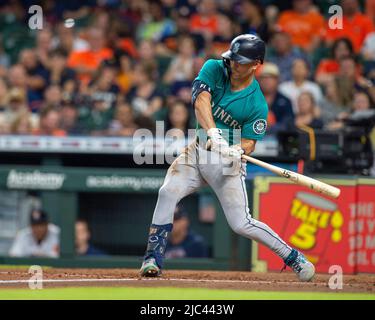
(35, 180)
(121, 182)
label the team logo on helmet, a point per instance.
(260, 126)
(236, 47)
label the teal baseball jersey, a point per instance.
(240, 114)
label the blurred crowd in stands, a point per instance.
(108, 67)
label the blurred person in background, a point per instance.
(205, 20)
(3, 94)
(68, 40)
(86, 62)
(124, 75)
(292, 89)
(361, 107)
(123, 125)
(227, 28)
(371, 78)
(280, 114)
(304, 23)
(146, 51)
(16, 105)
(69, 118)
(333, 102)
(368, 48)
(37, 76)
(44, 46)
(22, 124)
(40, 239)
(103, 19)
(157, 25)
(13, 18)
(282, 53)
(329, 67)
(82, 240)
(368, 55)
(350, 70)
(49, 123)
(144, 95)
(350, 79)
(3, 105)
(148, 55)
(104, 83)
(183, 242)
(306, 114)
(4, 59)
(181, 66)
(370, 9)
(17, 78)
(169, 44)
(355, 26)
(59, 73)
(178, 119)
(52, 97)
(97, 115)
(254, 20)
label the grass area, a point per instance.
(128, 293)
(5, 266)
(22, 267)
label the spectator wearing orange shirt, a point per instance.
(86, 62)
(205, 20)
(49, 124)
(356, 26)
(304, 24)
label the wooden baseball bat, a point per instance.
(297, 178)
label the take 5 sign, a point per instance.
(328, 231)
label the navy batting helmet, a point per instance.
(246, 48)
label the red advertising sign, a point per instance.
(328, 231)
(362, 231)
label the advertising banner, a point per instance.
(362, 232)
(81, 179)
(328, 231)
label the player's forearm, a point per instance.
(248, 146)
(203, 111)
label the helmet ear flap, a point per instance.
(227, 67)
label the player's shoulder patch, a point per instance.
(260, 126)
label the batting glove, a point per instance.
(218, 144)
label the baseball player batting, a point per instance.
(228, 102)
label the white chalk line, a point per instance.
(3, 282)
